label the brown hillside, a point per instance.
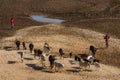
(73, 11)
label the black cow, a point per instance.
(37, 52)
(61, 52)
(93, 50)
(17, 42)
(51, 60)
(76, 58)
(70, 54)
(24, 46)
(31, 46)
(83, 56)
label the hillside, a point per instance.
(75, 12)
(86, 23)
(70, 39)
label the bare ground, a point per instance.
(75, 39)
(30, 69)
(73, 11)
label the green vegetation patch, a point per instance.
(118, 1)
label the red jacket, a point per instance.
(12, 21)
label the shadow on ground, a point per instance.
(73, 70)
(78, 70)
(87, 70)
(28, 58)
(8, 48)
(35, 67)
(12, 62)
(71, 62)
(76, 67)
(48, 71)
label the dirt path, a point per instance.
(31, 69)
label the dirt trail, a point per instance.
(31, 69)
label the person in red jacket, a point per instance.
(12, 23)
(107, 37)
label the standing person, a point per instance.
(31, 46)
(12, 22)
(107, 37)
(24, 46)
(17, 42)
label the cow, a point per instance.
(93, 50)
(58, 66)
(37, 52)
(52, 60)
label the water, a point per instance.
(44, 19)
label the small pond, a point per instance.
(44, 19)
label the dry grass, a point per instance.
(85, 14)
(104, 25)
(70, 10)
(81, 16)
(31, 69)
(71, 39)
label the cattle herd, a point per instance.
(84, 60)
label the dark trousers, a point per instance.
(106, 44)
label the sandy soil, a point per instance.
(31, 69)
